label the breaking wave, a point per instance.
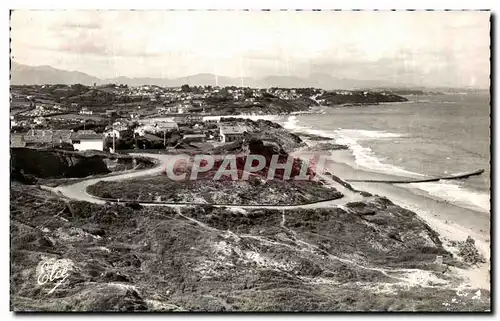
(452, 191)
(363, 156)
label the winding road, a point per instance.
(78, 191)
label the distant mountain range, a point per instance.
(41, 75)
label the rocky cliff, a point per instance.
(359, 97)
(29, 164)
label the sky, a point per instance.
(423, 48)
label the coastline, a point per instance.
(450, 221)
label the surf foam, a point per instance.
(363, 156)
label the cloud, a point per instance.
(82, 47)
(81, 25)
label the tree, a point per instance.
(185, 88)
(248, 93)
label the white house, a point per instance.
(86, 140)
(142, 130)
(211, 119)
(167, 126)
(117, 132)
(85, 111)
(40, 121)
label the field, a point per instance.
(80, 117)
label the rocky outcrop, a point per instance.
(267, 132)
(28, 164)
(327, 147)
(359, 97)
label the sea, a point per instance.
(428, 136)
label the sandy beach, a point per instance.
(452, 222)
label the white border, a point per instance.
(191, 4)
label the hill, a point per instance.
(39, 75)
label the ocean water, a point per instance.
(425, 137)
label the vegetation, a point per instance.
(253, 191)
(359, 97)
(129, 258)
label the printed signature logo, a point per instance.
(54, 271)
(240, 167)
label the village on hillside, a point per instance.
(118, 117)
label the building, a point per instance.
(211, 119)
(62, 136)
(87, 140)
(153, 138)
(118, 132)
(143, 129)
(85, 111)
(194, 137)
(195, 109)
(180, 119)
(17, 141)
(40, 121)
(229, 133)
(111, 112)
(197, 102)
(159, 127)
(47, 136)
(13, 121)
(167, 126)
(180, 109)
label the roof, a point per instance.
(119, 128)
(39, 132)
(86, 134)
(152, 137)
(64, 135)
(38, 139)
(193, 135)
(48, 135)
(17, 140)
(211, 118)
(88, 131)
(170, 124)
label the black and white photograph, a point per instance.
(250, 160)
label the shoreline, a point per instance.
(452, 222)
